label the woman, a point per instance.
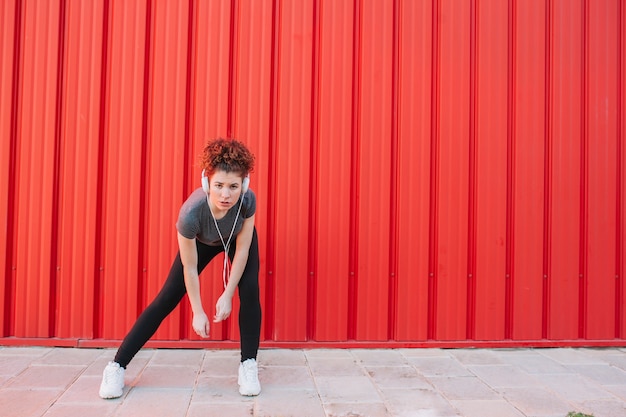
(219, 217)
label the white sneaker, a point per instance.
(249, 378)
(112, 385)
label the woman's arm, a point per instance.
(244, 239)
(189, 259)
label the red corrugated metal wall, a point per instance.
(429, 172)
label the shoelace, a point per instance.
(249, 372)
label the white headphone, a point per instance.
(244, 185)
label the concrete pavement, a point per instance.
(547, 382)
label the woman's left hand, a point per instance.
(223, 307)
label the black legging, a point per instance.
(173, 291)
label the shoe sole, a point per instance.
(249, 394)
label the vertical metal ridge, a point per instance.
(434, 167)
(232, 71)
(584, 177)
(355, 169)
(510, 181)
(189, 139)
(619, 237)
(231, 107)
(98, 311)
(471, 235)
(395, 172)
(9, 294)
(55, 214)
(192, 24)
(142, 256)
(313, 177)
(270, 296)
(547, 205)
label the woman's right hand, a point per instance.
(201, 325)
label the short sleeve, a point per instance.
(250, 203)
(188, 224)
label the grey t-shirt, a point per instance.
(196, 221)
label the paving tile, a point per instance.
(425, 352)
(293, 403)
(286, 377)
(380, 357)
(475, 356)
(575, 387)
(486, 408)
(220, 390)
(533, 363)
(500, 376)
(436, 366)
(602, 373)
(220, 366)
(328, 353)
(282, 357)
(198, 409)
(158, 376)
(104, 409)
(463, 388)
(602, 352)
(83, 390)
(44, 376)
(345, 389)
(11, 365)
(617, 360)
(356, 410)
(536, 402)
(417, 402)
(69, 356)
(617, 390)
(155, 402)
(178, 357)
(334, 366)
(604, 408)
(569, 356)
(397, 377)
(27, 351)
(26, 402)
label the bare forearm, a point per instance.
(192, 284)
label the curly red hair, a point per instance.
(228, 155)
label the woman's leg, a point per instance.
(168, 298)
(250, 306)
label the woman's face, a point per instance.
(224, 189)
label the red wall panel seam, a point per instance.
(619, 279)
(142, 256)
(17, 68)
(187, 152)
(354, 167)
(59, 112)
(99, 217)
(270, 297)
(510, 215)
(547, 209)
(313, 177)
(471, 235)
(584, 165)
(395, 169)
(231, 113)
(434, 169)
